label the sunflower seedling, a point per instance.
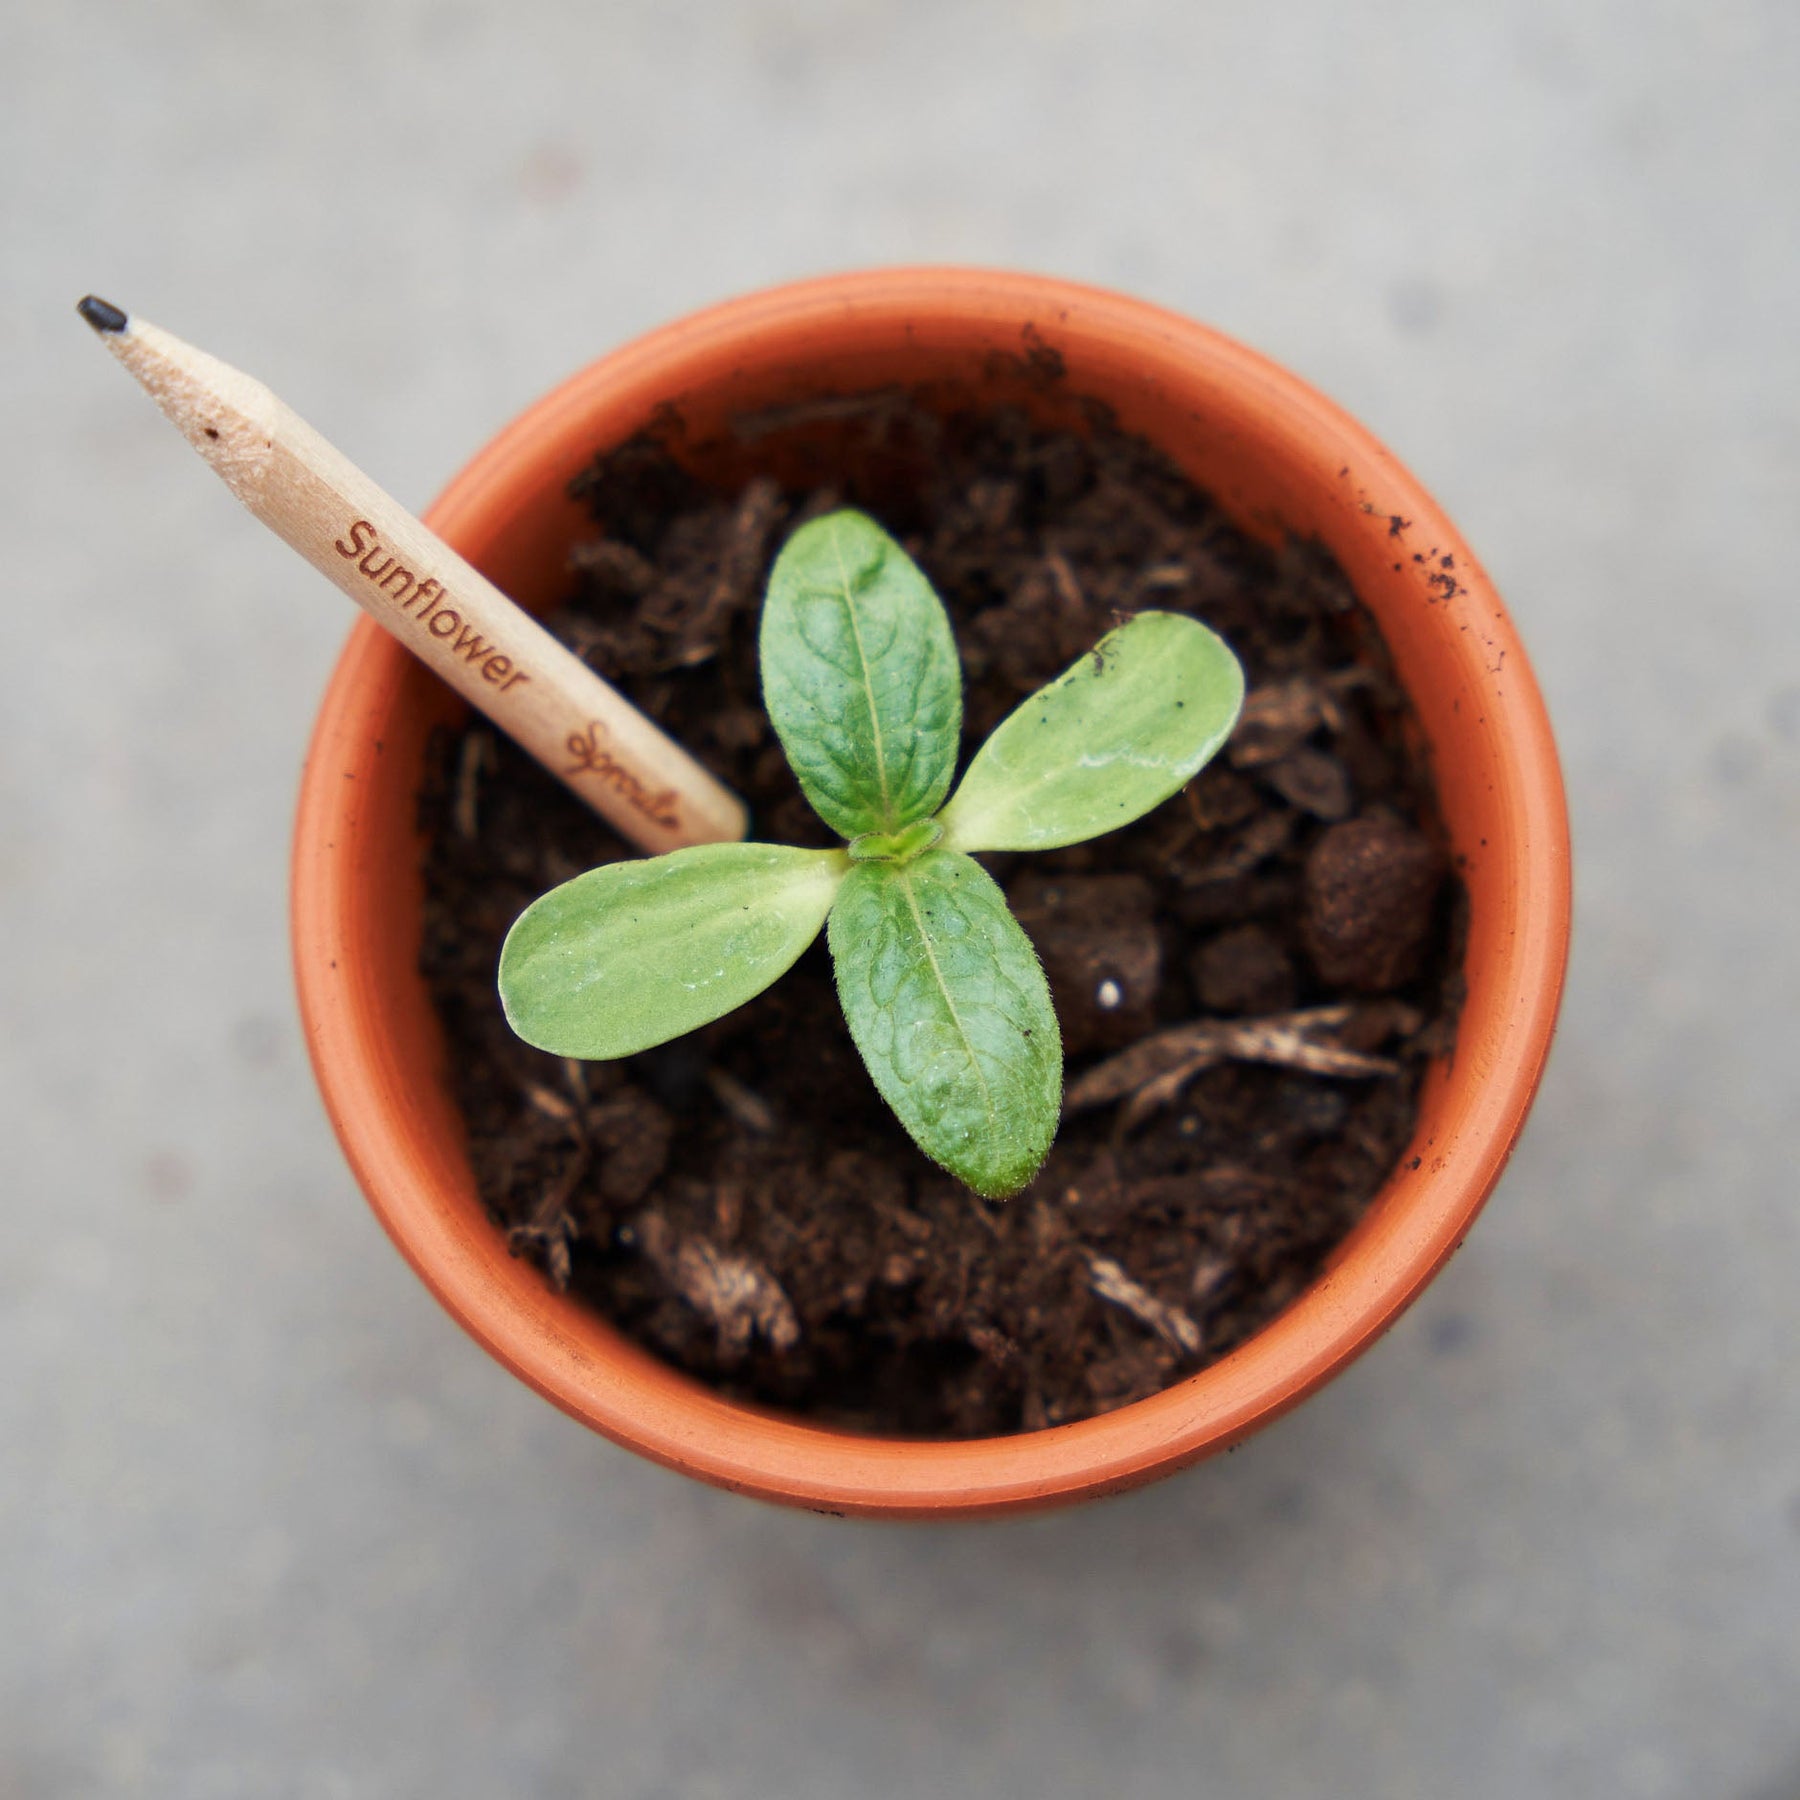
(941, 988)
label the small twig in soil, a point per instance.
(1277, 718)
(476, 759)
(1155, 1069)
(748, 427)
(758, 512)
(987, 1213)
(1062, 578)
(553, 1106)
(614, 564)
(1261, 839)
(749, 1108)
(740, 1298)
(1163, 578)
(1170, 1323)
(576, 1076)
(728, 1210)
(1208, 1274)
(550, 1226)
(555, 1204)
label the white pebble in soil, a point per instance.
(1108, 995)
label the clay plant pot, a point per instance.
(1278, 457)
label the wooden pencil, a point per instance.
(410, 581)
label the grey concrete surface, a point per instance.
(270, 1526)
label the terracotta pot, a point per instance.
(1278, 456)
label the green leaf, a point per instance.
(947, 1002)
(635, 953)
(860, 676)
(1131, 723)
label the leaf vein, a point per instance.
(987, 1093)
(881, 774)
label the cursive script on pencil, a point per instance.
(592, 758)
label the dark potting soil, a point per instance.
(1250, 980)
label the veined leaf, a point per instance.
(635, 953)
(1133, 721)
(860, 676)
(948, 1004)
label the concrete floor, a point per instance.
(271, 1526)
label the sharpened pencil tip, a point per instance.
(102, 314)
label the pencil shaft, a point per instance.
(441, 608)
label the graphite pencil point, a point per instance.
(101, 314)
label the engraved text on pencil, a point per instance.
(592, 758)
(406, 591)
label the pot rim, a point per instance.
(421, 1192)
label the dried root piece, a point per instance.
(758, 512)
(1170, 1323)
(1063, 583)
(1153, 1071)
(552, 1105)
(1259, 840)
(475, 760)
(615, 565)
(552, 1227)
(740, 1298)
(1161, 578)
(1277, 718)
(744, 1104)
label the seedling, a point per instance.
(941, 988)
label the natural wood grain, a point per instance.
(446, 613)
